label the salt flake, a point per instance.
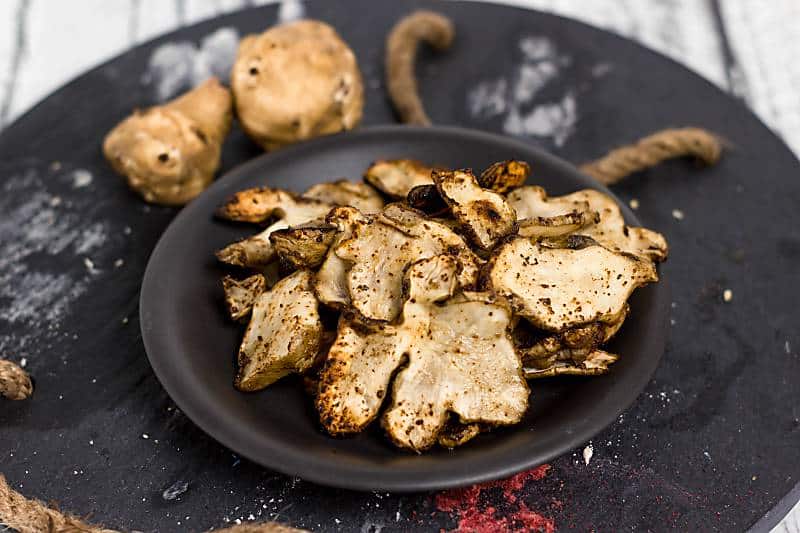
(588, 452)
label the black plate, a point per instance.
(191, 344)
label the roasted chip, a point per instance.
(560, 288)
(304, 246)
(459, 358)
(396, 177)
(241, 294)
(571, 362)
(344, 192)
(556, 226)
(284, 333)
(504, 176)
(610, 231)
(426, 198)
(574, 351)
(331, 280)
(380, 250)
(485, 216)
(259, 205)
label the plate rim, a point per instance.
(332, 477)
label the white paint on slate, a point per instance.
(177, 66)
(514, 96)
(37, 298)
(681, 29)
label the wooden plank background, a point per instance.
(750, 48)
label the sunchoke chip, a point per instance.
(344, 192)
(331, 282)
(459, 359)
(304, 246)
(610, 230)
(296, 81)
(575, 351)
(485, 216)
(414, 338)
(240, 295)
(284, 333)
(259, 205)
(396, 177)
(380, 250)
(559, 288)
(169, 153)
(505, 176)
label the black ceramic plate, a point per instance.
(191, 344)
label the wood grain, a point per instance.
(766, 41)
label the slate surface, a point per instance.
(713, 443)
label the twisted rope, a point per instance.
(401, 51)
(652, 150)
(32, 516)
(15, 383)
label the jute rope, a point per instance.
(15, 383)
(32, 516)
(401, 51)
(652, 150)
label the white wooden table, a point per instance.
(750, 48)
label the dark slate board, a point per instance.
(712, 444)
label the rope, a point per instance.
(15, 383)
(652, 150)
(401, 50)
(32, 516)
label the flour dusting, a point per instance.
(290, 10)
(175, 67)
(556, 120)
(39, 234)
(518, 98)
(488, 99)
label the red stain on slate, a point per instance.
(465, 504)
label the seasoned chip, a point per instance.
(304, 246)
(575, 351)
(331, 280)
(559, 288)
(426, 198)
(344, 192)
(241, 294)
(395, 177)
(504, 176)
(485, 216)
(380, 250)
(556, 226)
(610, 231)
(459, 359)
(284, 333)
(259, 205)
(571, 362)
